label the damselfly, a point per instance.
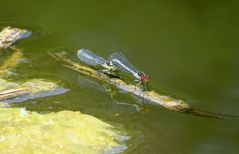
(92, 59)
(121, 62)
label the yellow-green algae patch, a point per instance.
(37, 85)
(23, 132)
(4, 84)
(10, 63)
(13, 60)
(31, 89)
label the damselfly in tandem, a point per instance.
(121, 62)
(92, 59)
(117, 61)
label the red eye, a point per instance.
(144, 78)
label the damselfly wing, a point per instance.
(90, 58)
(120, 61)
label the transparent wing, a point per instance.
(120, 61)
(90, 58)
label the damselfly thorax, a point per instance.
(92, 59)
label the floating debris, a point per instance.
(9, 36)
(23, 132)
(19, 92)
(14, 92)
(150, 96)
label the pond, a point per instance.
(189, 49)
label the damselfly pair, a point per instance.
(116, 62)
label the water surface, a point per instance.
(189, 49)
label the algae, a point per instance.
(4, 84)
(31, 89)
(37, 85)
(23, 131)
(11, 62)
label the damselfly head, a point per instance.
(143, 77)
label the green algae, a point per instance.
(37, 85)
(13, 60)
(4, 84)
(31, 89)
(23, 131)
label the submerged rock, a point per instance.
(23, 131)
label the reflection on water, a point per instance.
(188, 48)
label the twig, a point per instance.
(151, 96)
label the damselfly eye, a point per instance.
(144, 78)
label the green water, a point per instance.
(189, 49)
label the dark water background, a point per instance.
(189, 48)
